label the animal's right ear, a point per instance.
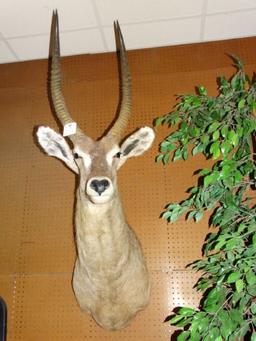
(55, 145)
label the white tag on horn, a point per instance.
(69, 129)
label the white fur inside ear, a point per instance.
(55, 145)
(138, 143)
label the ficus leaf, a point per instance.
(177, 155)
(211, 178)
(239, 285)
(186, 311)
(166, 158)
(214, 126)
(233, 277)
(183, 336)
(253, 337)
(158, 121)
(233, 138)
(216, 135)
(250, 277)
(225, 147)
(197, 149)
(219, 338)
(159, 157)
(199, 215)
(224, 131)
(175, 319)
(241, 103)
(202, 91)
(215, 149)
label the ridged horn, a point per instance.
(121, 123)
(55, 78)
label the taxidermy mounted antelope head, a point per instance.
(110, 278)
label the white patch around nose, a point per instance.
(110, 155)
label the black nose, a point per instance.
(99, 185)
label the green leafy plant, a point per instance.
(222, 128)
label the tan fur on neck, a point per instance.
(110, 277)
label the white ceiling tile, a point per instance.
(79, 42)
(26, 17)
(33, 17)
(134, 11)
(28, 48)
(230, 25)
(6, 55)
(71, 43)
(217, 6)
(157, 34)
(78, 15)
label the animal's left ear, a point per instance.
(137, 143)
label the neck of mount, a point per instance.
(102, 234)
(99, 217)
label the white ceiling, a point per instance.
(86, 25)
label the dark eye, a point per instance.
(76, 156)
(118, 155)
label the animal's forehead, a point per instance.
(107, 143)
(92, 147)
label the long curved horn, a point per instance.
(126, 93)
(55, 78)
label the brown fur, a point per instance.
(110, 276)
